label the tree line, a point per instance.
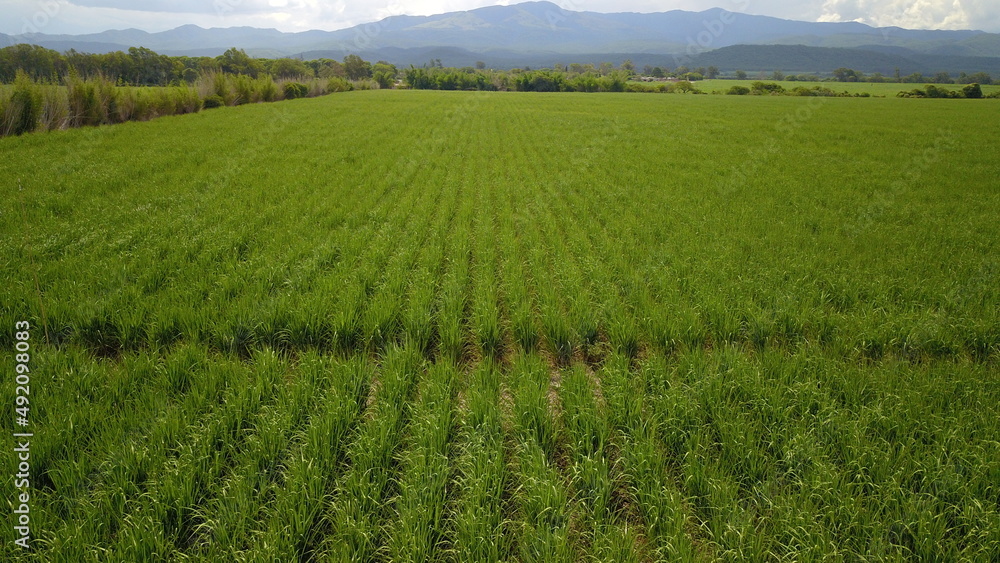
(843, 74)
(140, 66)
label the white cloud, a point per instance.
(913, 14)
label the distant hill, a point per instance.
(532, 33)
(803, 59)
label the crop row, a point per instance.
(712, 455)
(487, 258)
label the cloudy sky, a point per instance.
(88, 16)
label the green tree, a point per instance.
(741, 75)
(37, 62)
(943, 78)
(385, 74)
(766, 88)
(979, 78)
(712, 72)
(357, 68)
(150, 68)
(685, 86)
(973, 91)
(327, 68)
(480, 65)
(290, 68)
(236, 61)
(843, 74)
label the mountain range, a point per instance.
(542, 34)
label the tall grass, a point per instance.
(27, 106)
(23, 109)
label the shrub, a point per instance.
(738, 91)
(55, 108)
(973, 91)
(385, 80)
(128, 101)
(585, 83)
(614, 83)
(186, 100)
(634, 87)
(163, 102)
(931, 91)
(295, 90)
(365, 85)
(243, 86)
(24, 109)
(213, 101)
(92, 102)
(684, 86)
(316, 89)
(338, 84)
(767, 88)
(143, 105)
(267, 90)
(4, 102)
(215, 84)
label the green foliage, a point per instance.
(213, 101)
(846, 75)
(266, 90)
(337, 84)
(288, 68)
(236, 61)
(23, 111)
(357, 68)
(766, 88)
(294, 90)
(975, 78)
(973, 91)
(242, 88)
(931, 91)
(738, 91)
(385, 74)
(91, 102)
(97, 101)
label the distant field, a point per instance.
(876, 89)
(411, 325)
